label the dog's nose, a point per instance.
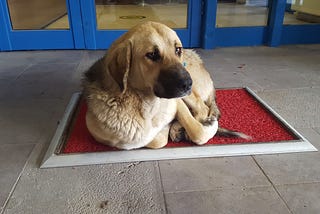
(185, 84)
(173, 82)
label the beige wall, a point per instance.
(35, 14)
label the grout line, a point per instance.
(24, 70)
(163, 193)
(302, 183)
(272, 184)
(20, 144)
(17, 180)
(219, 188)
(316, 129)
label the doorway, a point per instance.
(95, 24)
(91, 24)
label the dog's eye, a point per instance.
(178, 51)
(154, 56)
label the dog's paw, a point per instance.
(177, 132)
(209, 121)
(201, 115)
(214, 111)
(207, 133)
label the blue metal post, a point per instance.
(5, 27)
(194, 23)
(276, 16)
(75, 20)
(89, 23)
(209, 10)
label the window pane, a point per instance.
(126, 14)
(38, 14)
(302, 12)
(239, 13)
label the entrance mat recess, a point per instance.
(241, 110)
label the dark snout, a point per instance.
(173, 82)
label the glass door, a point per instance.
(259, 22)
(301, 23)
(105, 20)
(236, 22)
(40, 24)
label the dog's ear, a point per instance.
(119, 63)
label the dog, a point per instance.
(146, 86)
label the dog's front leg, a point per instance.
(161, 139)
(196, 131)
(203, 111)
(199, 109)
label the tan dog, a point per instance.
(133, 92)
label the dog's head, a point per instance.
(149, 58)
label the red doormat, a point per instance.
(240, 111)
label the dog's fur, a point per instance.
(144, 83)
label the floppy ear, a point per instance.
(120, 63)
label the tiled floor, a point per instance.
(36, 86)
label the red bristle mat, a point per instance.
(239, 111)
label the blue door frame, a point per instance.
(201, 31)
(72, 38)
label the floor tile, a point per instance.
(299, 107)
(57, 56)
(25, 121)
(286, 77)
(96, 54)
(311, 135)
(293, 168)
(111, 188)
(210, 173)
(15, 59)
(279, 72)
(45, 81)
(88, 59)
(10, 71)
(225, 74)
(233, 80)
(277, 68)
(301, 198)
(12, 161)
(4, 85)
(252, 200)
(317, 129)
(246, 54)
(44, 57)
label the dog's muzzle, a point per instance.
(173, 82)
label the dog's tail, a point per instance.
(229, 133)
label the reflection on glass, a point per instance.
(38, 14)
(302, 12)
(124, 14)
(239, 13)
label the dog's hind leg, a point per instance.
(177, 132)
(161, 139)
(213, 108)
